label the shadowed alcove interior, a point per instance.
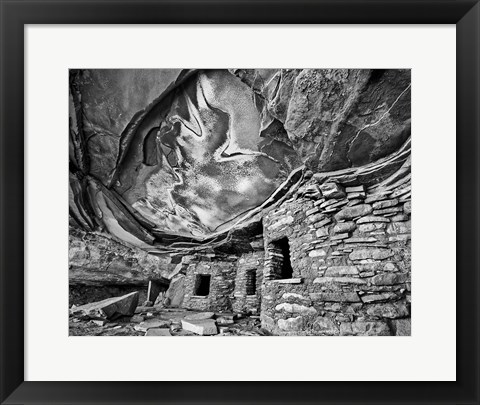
(202, 285)
(283, 265)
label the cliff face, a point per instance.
(337, 118)
(98, 260)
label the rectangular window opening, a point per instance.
(202, 285)
(251, 282)
(281, 258)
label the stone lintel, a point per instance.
(289, 281)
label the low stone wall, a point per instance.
(248, 264)
(350, 254)
(222, 270)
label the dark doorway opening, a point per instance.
(251, 282)
(202, 285)
(285, 269)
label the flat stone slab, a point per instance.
(200, 316)
(360, 210)
(151, 324)
(336, 297)
(376, 254)
(334, 280)
(203, 327)
(158, 332)
(110, 308)
(295, 308)
(339, 271)
(378, 297)
(369, 219)
(332, 190)
(288, 281)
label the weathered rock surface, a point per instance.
(158, 332)
(152, 157)
(109, 99)
(296, 308)
(365, 329)
(338, 280)
(389, 279)
(200, 316)
(202, 327)
(372, 115)
(378, 297)
(97, 260)
(325, 326)
(402, 327)
(336, 297)
(332, 190)
(110, 308)
(368, 219)
(376, 254)
(151, 324)
(335, 271)
(343, 227)
(389, 310)
(291, 324)
(354, 212)
(176, 292)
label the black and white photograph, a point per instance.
(239, 202)
(244, 171)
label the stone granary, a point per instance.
(281, 193)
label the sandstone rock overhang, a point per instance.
(168, 160)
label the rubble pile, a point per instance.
(121, 316)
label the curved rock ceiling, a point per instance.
(164, 155)
(203, 162)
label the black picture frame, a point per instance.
(15, 14)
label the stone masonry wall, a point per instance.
(242, 301)
(222, 270)
(350, 253)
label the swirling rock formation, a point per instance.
(182, 158)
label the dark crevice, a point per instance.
(376, 75)
(150, 153)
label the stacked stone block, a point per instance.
(222, 271)
(273, 262)
(350, 253)
(243, 302)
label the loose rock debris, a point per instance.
(159, 321)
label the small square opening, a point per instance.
(251, 282)
(202, 285)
